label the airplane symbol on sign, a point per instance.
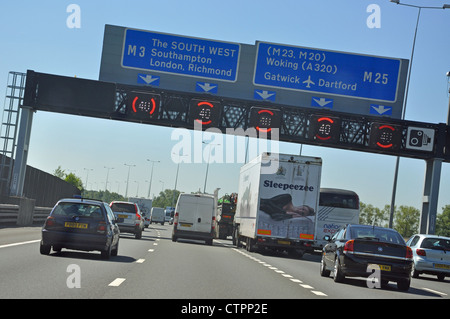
(309, 82)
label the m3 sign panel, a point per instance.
(161, 52)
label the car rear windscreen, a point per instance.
(123, 207)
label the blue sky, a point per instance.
(35, 36)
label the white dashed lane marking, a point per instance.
(279, 271)
(117, 282)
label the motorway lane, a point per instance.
(190, 269)
(25, 273)
(306, 269)
(156, 267)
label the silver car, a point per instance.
(431, 255)
(132, 220)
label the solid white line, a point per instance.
(140, 261)
(117, 282)
(434, 291)
(21, 243)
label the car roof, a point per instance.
(430, 236)
(122, 202)
(80, 200)
(372, 227)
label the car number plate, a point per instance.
(284, 242)
(383, 267)
(185, 225)
(441, 266)
(122, 216)
(76, 225)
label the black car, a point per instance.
(81, 224)
(356, 250)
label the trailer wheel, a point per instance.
(236, 239)
(250, 245)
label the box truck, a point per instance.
(145, 205)
(277, 202)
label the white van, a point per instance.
(157, 215)
(194, 217)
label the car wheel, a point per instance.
(404, 284)
(106, 254)
(138, 234)
(115, 251)
(338, 275)
(441, 277)
(44, 249)
(323, 269)
(174, 239)
(414, 272)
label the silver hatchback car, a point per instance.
(431, 255)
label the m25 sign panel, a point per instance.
(330, 72)
(180, 55)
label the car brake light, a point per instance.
(348, 247)
(101, 228)
(409, 253)
(50, 222)
(421, 252)
(138, 217)
(213, 224)
(175, 219)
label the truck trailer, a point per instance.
(277, 203)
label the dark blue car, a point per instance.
(355, 250)
(81, 224)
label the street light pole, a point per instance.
(448, 89)
(87, 175)
(207, 166)
(176, 178)
(128, 178)
(151, 177)
(107, 175)
(397, 163)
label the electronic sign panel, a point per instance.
(385, 136)
(204, 112)
(264, 119)
(324, 128)
(143, 105)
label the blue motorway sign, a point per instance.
(145, 50)
(331, 72)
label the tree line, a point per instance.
(406, 219)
